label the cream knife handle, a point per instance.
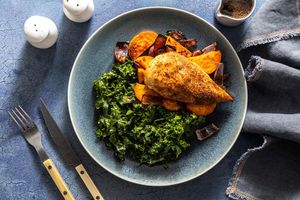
(88, 182)
(58, 180)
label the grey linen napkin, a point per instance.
(272, 48)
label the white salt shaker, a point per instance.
(78, 10)
(40, 32)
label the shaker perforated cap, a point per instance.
(36, 29)
(78, 10)
(76, 7)
(40, 32)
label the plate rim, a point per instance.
(71, 112)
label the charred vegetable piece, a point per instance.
(143, 61)
(151, 100)
(188, 43)
(219, 74)
(179, 48)
(208, 62)
(171, 105)
(170, 48)
(151, 51)
(160, 51)
(121, 51)
(140, 90)
(140, 74)
(140, 43)
(177, 35)
(201, 109)
(206, 132)
(159, 44)
(197, 53)
(209, 48)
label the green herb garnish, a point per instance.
(148, 134)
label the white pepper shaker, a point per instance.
(40, 32)
(78, 10)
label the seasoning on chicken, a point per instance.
(175, 77)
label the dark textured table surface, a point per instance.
(27, 73)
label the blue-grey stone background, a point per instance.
(27, 73)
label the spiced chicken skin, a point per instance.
(175, 77)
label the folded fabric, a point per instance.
(272, 47)
(274, 99)
(268, 172)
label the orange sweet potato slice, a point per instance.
(140, 90)
(201, 109)
(171, 105)
(140, 74)
(208, 62)
(179, 48)
(143, 61)
(140, 43)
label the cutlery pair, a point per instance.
(33, 137)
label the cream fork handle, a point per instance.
(58, 180)
(88, 182)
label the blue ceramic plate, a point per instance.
(96, 57)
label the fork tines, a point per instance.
(21, 118)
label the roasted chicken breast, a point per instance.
(175, 77)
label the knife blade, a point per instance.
(67, 152)
(63, 146)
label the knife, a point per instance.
(67, 152)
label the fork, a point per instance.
(33, 137)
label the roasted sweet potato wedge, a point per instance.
(170, 48)
(171, 105)
(140, 43)
(201, 109)
(208, 62)
(140, 90)
(140, 74)
(143, 61)
(179, 48)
